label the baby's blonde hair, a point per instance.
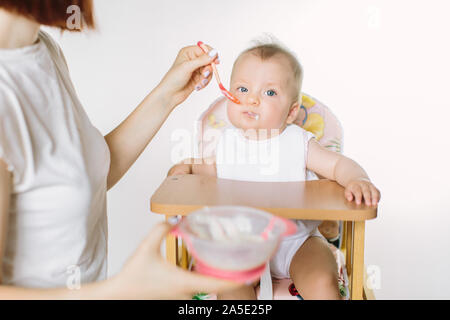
(268, 48)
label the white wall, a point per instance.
(382, 66)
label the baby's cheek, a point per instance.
(273, 119)
(233, 113)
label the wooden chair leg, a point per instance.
(357, 275)
(348, 246)
(171, 248)
(184, 259)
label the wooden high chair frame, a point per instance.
(309, 200)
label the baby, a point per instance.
(267, 80)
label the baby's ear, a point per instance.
(293, 113)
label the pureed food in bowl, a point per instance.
(233, 238)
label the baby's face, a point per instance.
(265, 90)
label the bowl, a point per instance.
(228, 239)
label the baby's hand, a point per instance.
(180, 169)
(362, 188)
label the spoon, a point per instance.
(225, 92)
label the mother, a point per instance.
(55, 168)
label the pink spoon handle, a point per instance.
(225, 92)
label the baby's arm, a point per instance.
(195, 166)
(345, 171)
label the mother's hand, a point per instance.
(190, 71)
(148, 276)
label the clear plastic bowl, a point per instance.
(233, 238)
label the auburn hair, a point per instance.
(52, 12)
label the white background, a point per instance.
(381, 66)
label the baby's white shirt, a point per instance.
(278, 159)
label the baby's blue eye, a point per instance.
(271, 93)
(242, 89)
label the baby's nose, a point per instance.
(253, 100)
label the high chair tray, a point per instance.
(309, 200)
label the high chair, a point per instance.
(310, 200)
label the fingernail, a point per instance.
(212, 53)
(197, 88)
(204, 82)
(206, 74)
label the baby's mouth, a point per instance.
(252, 115)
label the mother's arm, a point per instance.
(129, 139)
(190, 71)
